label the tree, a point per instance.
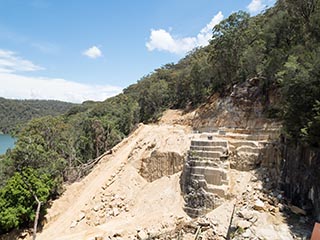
(300, 79)
(43, 144)
(227, 43)
(17, 201)
(302, 9)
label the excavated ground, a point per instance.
(131, 195)
(114, 199)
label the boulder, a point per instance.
(259, 205)
(245, 214)
(142, 235)
(243, 224)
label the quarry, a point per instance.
(216, 172)
(170, 181)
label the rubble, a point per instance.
(106, 206)
(260, 213)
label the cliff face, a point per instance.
(296, 169)
(243, 108)
(160, 164)
(301, 177)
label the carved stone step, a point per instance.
(206, 154)
(251, 137)
(202, 183)
(209, 163)
(197, 176)
(204, 142)
(204, 159)
(211, 175)
(233, 135)
(221, 191)
(209, 148)
(248, 149)
(240, 143)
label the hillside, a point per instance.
(254, 94)
(18, 112)
(135, 192)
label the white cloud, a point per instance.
(15, 85)
(206, 33)
(24, 87)
(256, 6)
(93, 52)
(10, 62)
(162, 40)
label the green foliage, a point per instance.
(312, 130)
(17, 203)
(229, 40)
(300, 79)
(43, 144)
(16, 112)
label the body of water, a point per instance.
(6, 142)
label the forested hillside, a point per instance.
(281, 47)
(16, 112)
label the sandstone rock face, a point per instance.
(161, 164)
(247, 150)
(242, 108)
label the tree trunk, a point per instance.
(35, 226)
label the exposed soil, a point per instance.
(114, 199)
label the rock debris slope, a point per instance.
(114, 199)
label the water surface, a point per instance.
(6, 142)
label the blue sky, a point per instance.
(75, 50)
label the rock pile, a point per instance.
(105, 207)
(262, 213)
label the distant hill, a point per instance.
(17, 112)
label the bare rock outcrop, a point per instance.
(161, 164)
(243, 107)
